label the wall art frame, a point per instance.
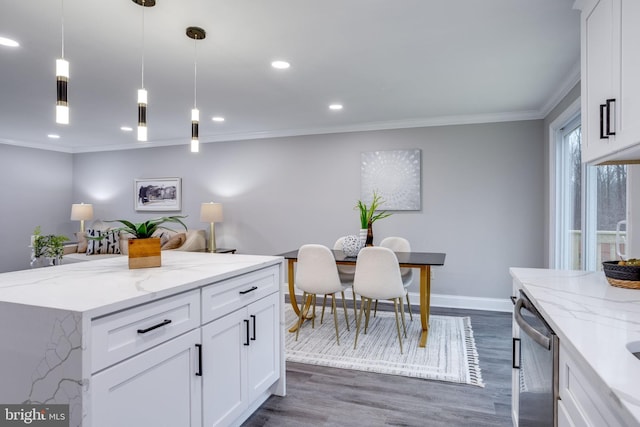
(157, 194)
(395, 175)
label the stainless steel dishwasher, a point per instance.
(535, 354)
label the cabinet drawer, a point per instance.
(229, 295)
(121, 335)
(582, 397)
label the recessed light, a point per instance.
(8, 42)
(218, 119)
(53, 136)
(280, 65)
(126, 128)
(335, 107)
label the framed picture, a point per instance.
(157, 194)
(395, 176)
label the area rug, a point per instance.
(450, 354)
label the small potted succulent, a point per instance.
(144, 249)
(368, 216)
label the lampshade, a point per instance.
(81, 212)
(211, 212)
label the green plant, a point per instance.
(368, 214)
(49, 245)
(144, 230)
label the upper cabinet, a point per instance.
(610, 80)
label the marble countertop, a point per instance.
(107, 285)
(597, 320)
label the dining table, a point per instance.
(422, 261)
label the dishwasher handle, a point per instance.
(539, 338)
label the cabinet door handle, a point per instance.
(246, 323)
(603, 107)
(248, 290)
(199, 347)
(513, 353)
(151, 328)
(253, 318)
(608, 104)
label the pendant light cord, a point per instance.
(142, 65)
(195, 71)
(62, 25)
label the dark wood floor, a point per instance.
(320, 396)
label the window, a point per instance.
(590, 203)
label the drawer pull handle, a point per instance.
(608, 104)
(246, 323)
(253, 338)
(199, 373)
(151, 328)
(603, 108)
(248, 290)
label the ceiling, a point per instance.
(392, 64)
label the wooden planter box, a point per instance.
(144, 253)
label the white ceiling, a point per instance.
(392, 63)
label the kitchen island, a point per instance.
(597, 325)
(194, 342)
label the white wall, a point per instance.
(482, 194)
(36, 190)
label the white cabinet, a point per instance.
(582, 401)
(610, 80)
(155, 388)
(207, 357)
(515, 370)
(240, 360)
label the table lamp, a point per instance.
(81, 212)
(211, 213)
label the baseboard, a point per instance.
(453, 301)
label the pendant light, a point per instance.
(142, 93)
(195, 33)
(62, 80)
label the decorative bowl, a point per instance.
(622, 276)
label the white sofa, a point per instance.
(179, 240)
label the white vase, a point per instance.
(363, 236)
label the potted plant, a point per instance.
(144, 249)
(368, 216)
(46, 249)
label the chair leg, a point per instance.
(324, 303)
(355, 309)
(375, 309)
(335, 316)
(395, 307)
(367, 315)
(358, 322)
(301, 315)
(409, 306)
(313, 316)
(404, 325)
(344, 306)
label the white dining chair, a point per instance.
(400, 244)
(317, 274)
(378, 277)
(346, 273)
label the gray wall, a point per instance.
(37, 188)
(482, 194)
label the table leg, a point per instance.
(425, 302)
(306, 305)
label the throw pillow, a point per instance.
(108, 244)
(82, 242)
(175, 242)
